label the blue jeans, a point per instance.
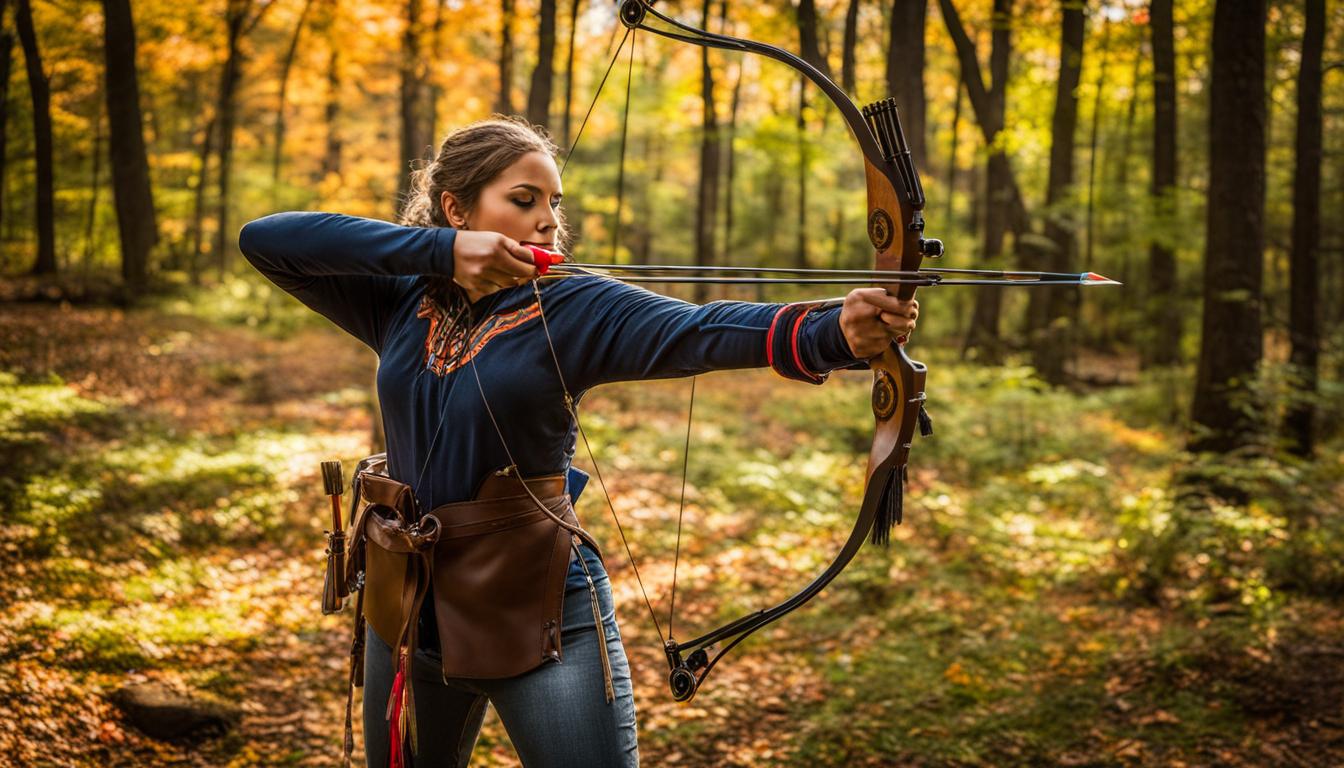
(556, 715)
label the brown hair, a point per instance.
(469, 158)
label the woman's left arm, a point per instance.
(627, 333)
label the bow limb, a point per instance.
(636, 13)
(690, 662)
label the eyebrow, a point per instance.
(534, 188)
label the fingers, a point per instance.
(887, 305)
(871, 319)
(515, 260)
(486, 262)
(897, 316)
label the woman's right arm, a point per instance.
(353, 270)
(349, 269)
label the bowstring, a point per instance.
(570, 403)
(681, 508)
(593, 103)
(620, 166)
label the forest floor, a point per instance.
(161, 519)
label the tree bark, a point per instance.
(411, 101)
(1231, 343)
(1003, 203)
(952, 157)
(285, 67)
(730, 170)
(800, 257)
(1048, 312)
(1108, 324)
(95, 184)
(226, 114)
(708, 202)
(988, 103)
(136, 222)
(39, 87)
(847, 62)
(569, 74)
(1164, 313)
(504, 101)
(432, 88)
(6, 62)
(1304, 321)
(331, 114)
(905, 71)
(194, 268)
(809, 44)
(539, 95)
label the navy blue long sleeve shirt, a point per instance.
(367, 276)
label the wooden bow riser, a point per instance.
(895, 229)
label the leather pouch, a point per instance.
(500, 567)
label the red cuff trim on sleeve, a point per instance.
(770, 337)
(798, 358)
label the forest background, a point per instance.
(1123, 545)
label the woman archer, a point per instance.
(479, 367)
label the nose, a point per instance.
(550, 219)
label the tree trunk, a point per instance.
(847, 64)
(432, 88)
(952, 157)
(135, 201)
(40, 88)
(1048, 312)
(800, 257)
(1231, 343)
(1122, 178)
(1109, 320)
(1304, 322)
(905, 71)
(126, 146)
(569, 74)
(198, 209)
(730, 170)
(412, 94)
(95, 184)
(331, 157)
(1164, 313)
(227, 115)
(504, 102)
(6, 62)
(1003, 203)
(539, 95)
(987, 103)
(279, 139)
(708, 201)
(809, 45)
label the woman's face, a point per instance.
(522, 203)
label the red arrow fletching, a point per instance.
(544, 259)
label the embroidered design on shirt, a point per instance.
(454, 357)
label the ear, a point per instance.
(452, 210)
